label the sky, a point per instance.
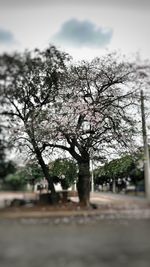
(84, 29)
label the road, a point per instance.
(115, 243)
(79, 241)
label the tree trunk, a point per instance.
(44, 167)
(83, 185)
(46, 174)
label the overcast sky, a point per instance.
(83, 28)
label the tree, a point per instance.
(82, 108)
(120, 168)
(32, 172)
(65, 169)
(95, 112)
(29, 83)
(15, 181)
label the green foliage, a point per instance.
(2, 158)
(65, 169)
(32, 172)
(27, 174)
(119, 168)
(6, 167)
(15, 181)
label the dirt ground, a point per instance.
(105, 206)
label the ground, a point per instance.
(116, 234)
(108, 205)
(82, 243)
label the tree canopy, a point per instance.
(84, 108)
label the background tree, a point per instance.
(16, 181)
(32, 172)
(122, 168)
(6, 165)
(66, 170)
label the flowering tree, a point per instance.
(81, 108)
(95, 111)
(29, 83)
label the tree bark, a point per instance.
(47, 176)
(44, 168)
(83, 185)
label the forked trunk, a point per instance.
(83, 185)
